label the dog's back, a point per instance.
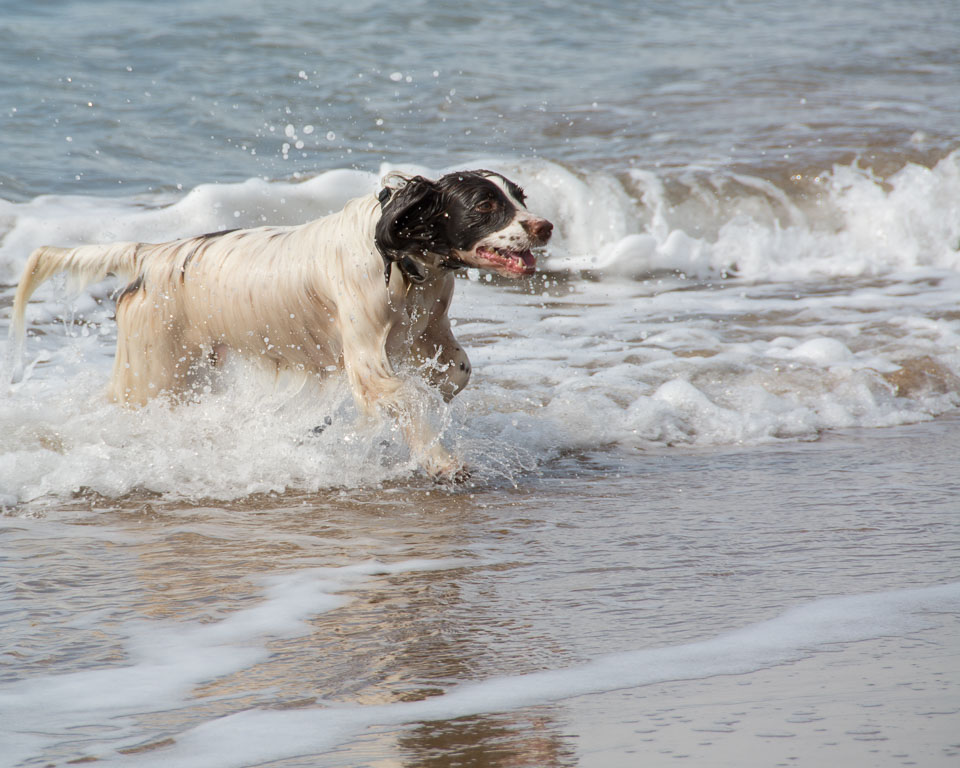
(269, 293)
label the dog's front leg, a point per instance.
(446, 364)
(376, 387)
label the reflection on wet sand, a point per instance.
(588, 559)
(401, 638)
(529, 739)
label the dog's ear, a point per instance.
(411, 225)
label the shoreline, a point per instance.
(885, 702)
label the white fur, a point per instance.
(311, 298)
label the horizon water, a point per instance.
(713, 439)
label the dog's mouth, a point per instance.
(504, 261)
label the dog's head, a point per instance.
(466, 219)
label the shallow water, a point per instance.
(713, 513)
(133, 622)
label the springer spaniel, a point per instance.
(364, 290)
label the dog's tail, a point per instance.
(85, 264)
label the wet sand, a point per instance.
(887, 702)
(595, 555)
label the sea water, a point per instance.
(716, 432)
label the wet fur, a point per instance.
(316, 297)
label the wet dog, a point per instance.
(365, 290)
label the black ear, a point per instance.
(411, 225)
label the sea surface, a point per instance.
(714, 513)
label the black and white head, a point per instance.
(464, 219)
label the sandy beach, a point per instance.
(885, 702)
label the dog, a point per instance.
(364, 291)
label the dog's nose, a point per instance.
(539, 229)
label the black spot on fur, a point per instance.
(186, 262)
(132, 288)
(221, 233)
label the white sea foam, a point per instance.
(166, 660)
(840, 317)
(859, 225)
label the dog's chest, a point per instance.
(417, 315)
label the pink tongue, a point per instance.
(524, 257)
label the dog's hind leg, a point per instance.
(151, 357)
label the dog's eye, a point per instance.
(487, 206)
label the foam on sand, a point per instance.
(255, 736)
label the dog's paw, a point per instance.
(455, 475)
(450, 472)
(443, 467)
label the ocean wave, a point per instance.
(845, 221)
(688, 310)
